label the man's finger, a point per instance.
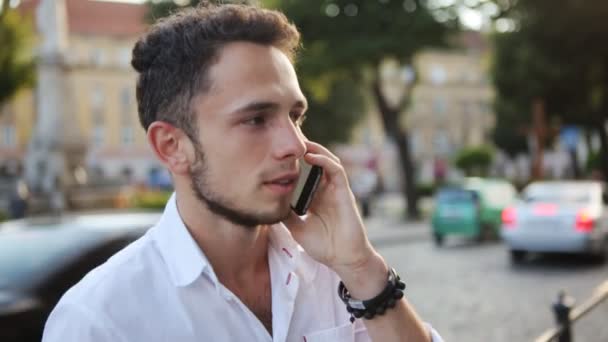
(313, 147)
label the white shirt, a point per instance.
(162, 288)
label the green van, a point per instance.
(471, 209)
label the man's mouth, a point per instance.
(283, 184)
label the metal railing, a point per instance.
(566, 316)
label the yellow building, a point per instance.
(100, 88)
(451, 108)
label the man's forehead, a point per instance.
(253, 72)
(251, 58)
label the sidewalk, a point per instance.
(386, 231)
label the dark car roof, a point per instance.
(39, 245)
(109, 222)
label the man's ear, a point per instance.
(171, 146)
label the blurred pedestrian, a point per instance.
(229, 260)
(18, 201)
(364, 183)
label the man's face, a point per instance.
(249, 132)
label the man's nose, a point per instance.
(289, 141)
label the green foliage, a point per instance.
(159, 9)
(330, 118)
(361, 33)
(593, 162)
(16, 62)
(425, 189)
(151, 199)
(556, 58)
(474, 161)
(3, 216)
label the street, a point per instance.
(473, 293)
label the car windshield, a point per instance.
(558, 193)
(28, 255)
(456, 196)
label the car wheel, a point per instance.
(438, 238)
(517, 256)
(602, 256)
(484, 233)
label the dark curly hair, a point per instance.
(174, 56)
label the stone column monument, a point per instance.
(55, 149)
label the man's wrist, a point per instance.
(366, 280)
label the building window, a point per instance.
(97, 97)
(127, 136)
(125, 104)
(97, 114)
(442, 142)
(9, 136)
(124, 57)
(416, 143)
(98, 135)
(439, 105)
(98, 57)
(438, 74)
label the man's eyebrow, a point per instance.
(258, 106)
(267, 105)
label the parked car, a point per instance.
(472, 209)
(40, 259)
(558, 216)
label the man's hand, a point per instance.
(333, 233)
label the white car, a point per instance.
(557, 216)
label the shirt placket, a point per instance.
(285, 285)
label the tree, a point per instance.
(355, 38)
(474, 161)
(557, 61)
(16, 62)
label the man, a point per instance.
(229, 261)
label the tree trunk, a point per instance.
(5, 7)
(392, 128)
(603, 148)
(576, 170)
(540, 133)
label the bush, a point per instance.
(593, 161)
(151, 199)
(425, 189)
(475, 161)
(3, 216)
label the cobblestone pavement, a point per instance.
(473, 293)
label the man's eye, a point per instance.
(298, 118)
(256, 121)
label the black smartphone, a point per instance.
(308, 181)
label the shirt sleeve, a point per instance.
(73, 322)
(435, 337)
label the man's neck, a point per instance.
(236, 253)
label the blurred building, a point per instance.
(451, 108)
(100, 88)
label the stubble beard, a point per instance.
(199, 175)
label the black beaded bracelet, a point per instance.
(377, 305)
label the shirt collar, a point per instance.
(186, 261)
(184, 258)
(296, 258)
